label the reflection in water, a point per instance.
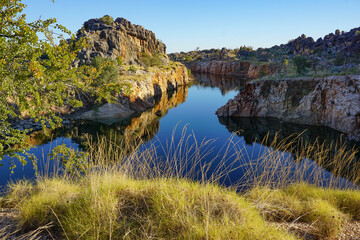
(129, 132)
(324, 141)
(224, 83)
(194, 107)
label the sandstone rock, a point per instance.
(122, 38)
(143, 94)
(242, 69)
(331, 101)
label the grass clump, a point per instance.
(325, 208)
(112, 205)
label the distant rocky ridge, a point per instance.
(335, 52)
(121, 38)
(347, 43)
(329, 101)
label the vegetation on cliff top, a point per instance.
(335, 54)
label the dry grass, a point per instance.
(140, 194)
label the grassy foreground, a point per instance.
(111, 205)
(140, 197)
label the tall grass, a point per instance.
(130, 189)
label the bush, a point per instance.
(133, 68)
(301, 63)
(188, 58)
(107, 70)
(107, 20)
(339, 59)
(151, 61)
(119, 61)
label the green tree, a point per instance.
(301, 63)
(35, 75)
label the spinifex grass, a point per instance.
(176, 194)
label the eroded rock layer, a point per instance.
(121, 38)
(241, 69)
(330, 101)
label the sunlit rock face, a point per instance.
(330, 101)
(120, 38)
(241, 69)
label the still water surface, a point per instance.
(192, 108)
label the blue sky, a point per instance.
(185, 25)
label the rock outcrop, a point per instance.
(330, 101)
(241, 69)
(347, 43)
(121, 38)
(149, 87)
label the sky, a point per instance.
(188, 24)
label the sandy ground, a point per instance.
(350, 231)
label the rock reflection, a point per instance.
(255, 130)
(224, 83)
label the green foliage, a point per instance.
(133, 68)
(119, 61)
(107, 20)
(73, 161)
(107, 71)
(151, 61)
(188, 58)
(246, 48)
(301, 63)
(34, 74)
(339, 59)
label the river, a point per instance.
(193, 108)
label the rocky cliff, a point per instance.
(347, 43)
(241, 69)
(119, 38)
(146, 88)
(331, 101)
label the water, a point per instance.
(193, 108)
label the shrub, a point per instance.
(151, 61)
(107, 70)
(339, 59)
(188, 58)
(119, 61)
(133, 68)
(107, 20)
(301, 63)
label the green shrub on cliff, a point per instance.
(301, 63)
(107, 19)
(151, 61)
(107, 69)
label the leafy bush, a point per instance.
(133, 68)
(301, 63)
(339, 59)
(107, 70)
(119, 61)
(107, 20)
(151, 61)
(188, 58)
